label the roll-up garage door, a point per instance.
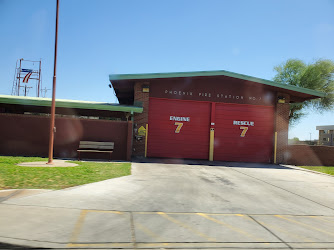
(243, 133)
(178, 129)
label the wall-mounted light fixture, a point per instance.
(146, 88)
(281, 99)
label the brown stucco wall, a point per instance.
(28, 135)
(306, 155)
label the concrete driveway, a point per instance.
(178, 205)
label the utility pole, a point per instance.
(53, 104)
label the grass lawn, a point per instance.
(323, 169)
(16, 177)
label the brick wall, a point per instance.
(140, 119)
(306, 155)
(282, 127)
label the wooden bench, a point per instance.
(95, 147)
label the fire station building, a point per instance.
(210, 115)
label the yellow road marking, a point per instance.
(186, 226)
(164, 213)
(113, 245)
(172, 244)
(215, 214)
(80, 222)
(83, 213)
(78, 226)
(230, 226)
(270, 225)
(225, 214)
(306, 225)
(296, 236)
(149, 232)
(322, 219)
(104, 211)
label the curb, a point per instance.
(17, 193)
(307, 170)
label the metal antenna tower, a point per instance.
(27, 71)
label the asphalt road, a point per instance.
(180, 206)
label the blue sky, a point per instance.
(101, 37)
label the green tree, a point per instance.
(317, 76)
(294, 140)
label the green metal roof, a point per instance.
(38, 101)
(113, 77)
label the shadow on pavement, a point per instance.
(10, 246)
(208, 163)
(141, 159)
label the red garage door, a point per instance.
(178, 129)
(243, 133)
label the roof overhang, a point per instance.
(73, 104)
(325, 127)
(123, 83)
